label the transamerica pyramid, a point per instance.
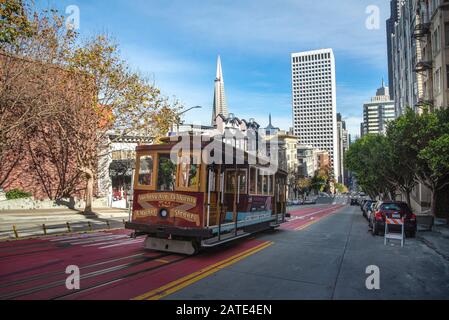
(220, 106)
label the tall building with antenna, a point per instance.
(220, 105)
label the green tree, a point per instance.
(432, 146)
(303, 185)
(319, 181)
(14, 21)
(368, 159)
(401, 162)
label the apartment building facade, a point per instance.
(420, 64)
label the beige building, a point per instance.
(432, 33)
(288, 149)
(420, 64)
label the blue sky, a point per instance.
(176, 42)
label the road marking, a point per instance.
(123, 244)
(185, 281)
(162, 261)
(306, 225)
(315, 221)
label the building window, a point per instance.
(436, 41)
(437, 83)
(446, 34)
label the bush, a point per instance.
(17, 194)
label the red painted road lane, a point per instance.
(112, 265)
(56, 253)
(304, 217)
(148, 281)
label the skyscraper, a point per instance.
(343, 146)
(314, 102)
(378, 112)
(395, 14)
(220, 106)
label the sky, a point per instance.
(175, 43)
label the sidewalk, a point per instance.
(438, 238)
(31, 222)
(58, 214)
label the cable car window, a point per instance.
(252, 180)
(188, 173)
(232, 182)
(146, 170)
(265, 184)
(243, 181)
(259, 182)
(270, 185)
(166, 173)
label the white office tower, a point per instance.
(378, 112)
(220, 106)
(314, 102)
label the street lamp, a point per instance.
(178, 115)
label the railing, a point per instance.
(421, 30)
(422, 66)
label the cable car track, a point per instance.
(105, 283)
(55, 273)
(29, 291)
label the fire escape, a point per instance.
(421, 33)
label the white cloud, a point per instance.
(266, 26)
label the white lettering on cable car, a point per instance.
(181, 212)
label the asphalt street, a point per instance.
(321, 252)
(329, 260)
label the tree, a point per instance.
(431, 146)
(96, 96)
(127, 102)
(14, 21)
(341, 188)
(367, 159)
(303, 185)
(30, 91)
(401, 161)
(319, 181)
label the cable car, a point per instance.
(189, 200)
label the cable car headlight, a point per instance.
(163, 213)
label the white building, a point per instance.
(343, 146)
(378, 112)
(307, 161)
(314, 102)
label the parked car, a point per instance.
(366, 204)
(370, 210)
(362, 203)
(393, 210)
(354, 202)
(309, 201)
